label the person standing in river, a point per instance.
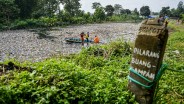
(96, 39)
(87, 37)
(82, 37)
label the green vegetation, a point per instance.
(171, 85)
(96, 75)
(21, 14)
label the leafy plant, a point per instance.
(97, 75)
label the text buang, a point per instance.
(141, 62)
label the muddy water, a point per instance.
(26, 45)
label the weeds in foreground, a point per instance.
(98, 75)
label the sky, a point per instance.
(155, 5)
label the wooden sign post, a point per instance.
(147, 60)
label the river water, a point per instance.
(27, 45)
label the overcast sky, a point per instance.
(155, 5)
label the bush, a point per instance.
(18, 24)
(116, 48)
(1, 26)
(62, 81)
(78, 20)
(182, 18)
(34, 23)
(115, 18)
(49, 22)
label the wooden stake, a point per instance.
(147, 58)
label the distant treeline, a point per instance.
(18, 14)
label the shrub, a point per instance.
(62, 81)
(19, 24)
(78, 20)
(33, 23)
(48, 21)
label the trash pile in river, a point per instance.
(35, 45)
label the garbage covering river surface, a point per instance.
(32, 45)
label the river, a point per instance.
(27, 45)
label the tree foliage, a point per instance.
(96, 5)
(165, 11)
(109, 9)
(155, 13)
(17, 14)
(174, 12)
(180, 7)
(135, 12)
(26, 7)
(71, 6)
(145, 11)
(51, 7)
(8, 11)
(125, 11)
(46, 8)
(117, 8)
(99, 14)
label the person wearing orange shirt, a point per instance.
(96, 39)
(82, 37)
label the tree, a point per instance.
(81, 13)
(135, 14)
(109, 9)
(145, 11)
(71, 6)
(165, 11)
(46, 8)
(125, 11)
(180, 7)
(99, 14)
(122, 11)
(8, 11)
(117, 8)
(96, 5)
(155, 13)
(135, 11)
(174, 12)
(26, 7)
(64, 16)
(87, 15)
(182, 18)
